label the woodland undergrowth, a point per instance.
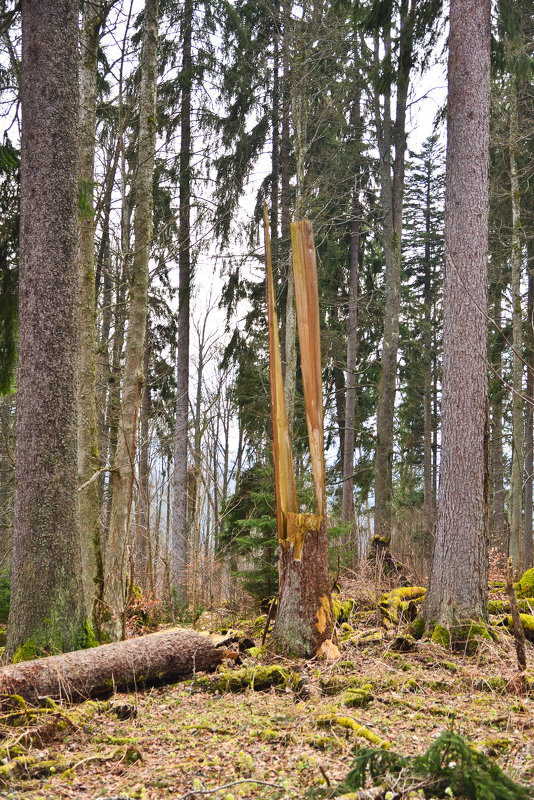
(267, 727)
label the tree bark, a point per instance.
(459, 576)
(529, 426)
(518, 423)
(47, 606)
(180, 516)
(347, 500)
(499, 528)
(392, 194)
(116, 563)
(88, 455)
(165, 656)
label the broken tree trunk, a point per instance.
(304, 618)
(165, 656)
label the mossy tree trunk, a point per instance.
(118, 544)
(459, 576)
(46, 596)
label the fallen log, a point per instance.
(161, 657)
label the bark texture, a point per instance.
(347, 501)
(458, 583)
(88, 455)
(117, 550)
(165, 656)
(46, 592)
(516, 482)
(391, 194)
(180, 516)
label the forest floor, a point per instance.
(191, 740)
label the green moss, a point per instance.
(26, 652)
(525, 586)
(359, 698)
(343, 610)
(257, 678)
(395, 605)
(441, 636)
(493, 683)
(527, 623)
(525, 606)
(417, 628)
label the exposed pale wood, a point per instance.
(165, 656)
(307, 302)
(286, 492)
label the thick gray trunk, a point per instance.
(46, 591)
(459, 577)
(117, 550)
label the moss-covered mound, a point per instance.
(525, 586)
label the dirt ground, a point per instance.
(194, 741)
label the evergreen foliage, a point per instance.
(450, 767)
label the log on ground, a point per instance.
(161, 657)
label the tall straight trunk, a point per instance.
(47, 608)
(88, 455)
(113, 403)
(516, 482)
(499, 528)
(459, 576)
(392, 194)
(117, 556)
(180, 517)
(347, 500)
(428, 496)
(144, 574)
(528, 551)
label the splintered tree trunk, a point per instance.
(88, 456)
(160, 657)
(459, 576)
(180, 516)
(304, 614)
(116, 563)
(47, 606)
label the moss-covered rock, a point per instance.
(358, 698)
(527, 623)
(525, 585)
(497, 607)
(343, 609)
(395, 605)
(256, 678)
(417, 628)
